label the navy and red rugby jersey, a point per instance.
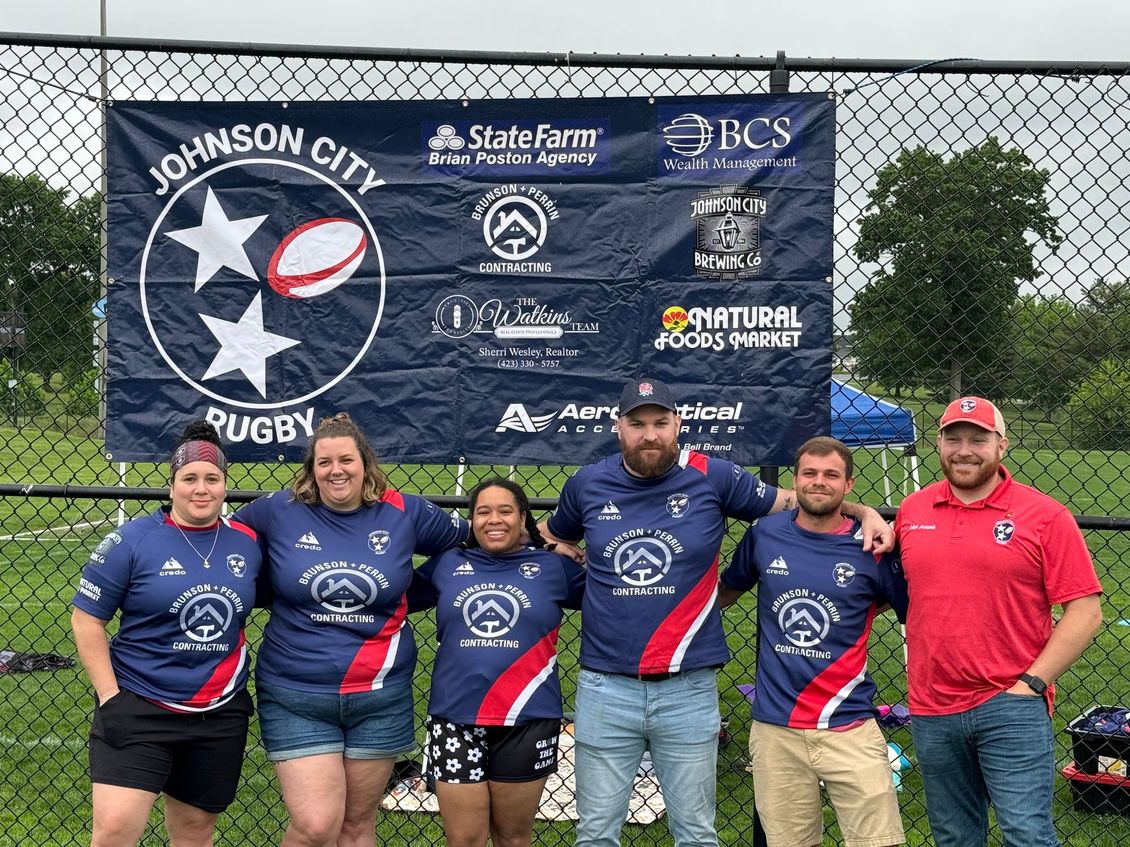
(497, 620)
(338, 582)
(651, 598)
(180, 641)
(816, 600)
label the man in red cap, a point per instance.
(985, 559)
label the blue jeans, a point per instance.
(1001, 752)
(677, 720)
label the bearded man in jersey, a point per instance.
(814, 715)
(985, 559)
(653, 517)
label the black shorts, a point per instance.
(465, 753)
(195, 758)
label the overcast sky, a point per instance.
(982, 29)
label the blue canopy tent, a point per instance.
(860, 420)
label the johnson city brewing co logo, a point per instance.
(728, 232)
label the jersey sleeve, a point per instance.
(105, 578)
(742, 494)
(422, 594)
(567, 522)
(892, 583)
(436, 530)
(575, 577)
(257, 514)
(742, 573)
(1069, 572)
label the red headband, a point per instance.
(197, 451)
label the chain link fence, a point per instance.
(981, 237)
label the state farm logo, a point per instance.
(728, 232)
(558, 146)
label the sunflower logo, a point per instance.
(675, 319)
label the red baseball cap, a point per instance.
(975, 410)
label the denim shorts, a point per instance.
(366, 725)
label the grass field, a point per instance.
(44, 792)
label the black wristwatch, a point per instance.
(1034, 682)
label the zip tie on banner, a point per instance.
(908, 71)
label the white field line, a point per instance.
(51, 742)
(10, 605)
(31, 535)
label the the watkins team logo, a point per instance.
(237, 564)
(515, 221)
(491, 613)
(547, 147)
(171, 568)
(240, 281)
(843, 573)
(803, 621)
(112, 540)
(582, 417)
(206, 617)
(678, 505)
(457, 316)
(1003, 531)
(728, 232)
(379, 541)
(529, 569)
(308, 541)
(778, 566)
(729, 328)
(465, 569)
(609, 512)
(343, 590)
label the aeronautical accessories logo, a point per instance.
(242, 284)
(552, 147)
(206, 613)
(490, 612)
(805, 618)
(515, 221)
(729, 328)
(584, 418)
(642, 558)
(728, 232)
(735, 139)
(342, 591)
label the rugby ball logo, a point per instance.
(316, 258)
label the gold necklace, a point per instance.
(205, 559)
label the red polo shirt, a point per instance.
(982, 580)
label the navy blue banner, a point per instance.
(473, 281)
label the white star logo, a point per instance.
(245, 345)
(218, 241)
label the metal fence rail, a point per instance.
(962, 152)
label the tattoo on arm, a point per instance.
(788, 504)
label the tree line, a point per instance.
(954, 238)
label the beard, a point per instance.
(655, 463)
(969, 478)
(818, 508)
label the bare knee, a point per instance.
(314, 828)
(521, 836)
